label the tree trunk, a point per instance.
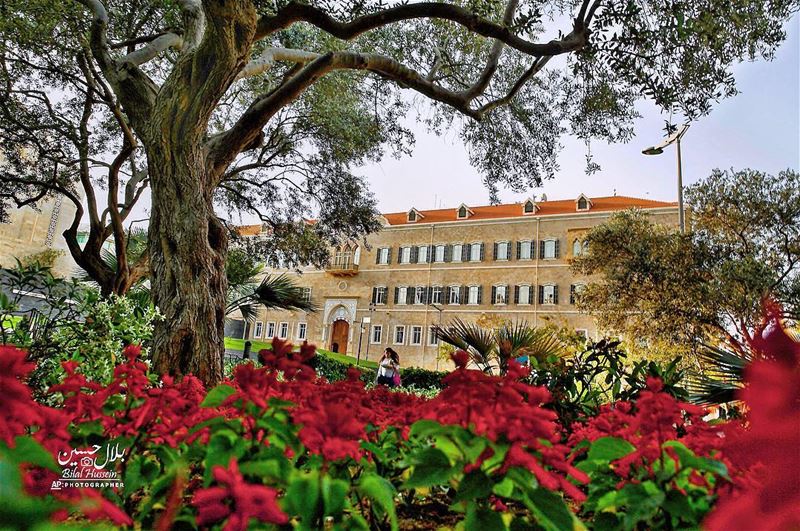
(188, 246)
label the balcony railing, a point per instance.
(346, 269)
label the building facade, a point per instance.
(426, 267)
(31, 231)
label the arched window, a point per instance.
(412, 216)
(462, 212)
(582, 204)
(529, 207)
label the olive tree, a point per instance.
(199, 99)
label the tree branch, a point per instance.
(154, 48)
(269, 56)
(297, 12)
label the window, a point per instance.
(416, 335)
(379, 295)
(377, 334)
(577, 248)
(405, 255)
(474, 295)
(522, 294)
(383, 256)
(270, 331)
(438, 253)
(476, 252)
(433, 340)
(412, 216)
(453, 295)
(259, 329)
(548, 249)
(501, 250)
(574, 292)
(401, 295)
(457, 250)
(499, 294)
(462, 212)
(529, 207)
(302, 328)
(436, 295)
(307, 294)
(524, 250)
(399, 335)
(548, 294)
(284, 331)
(422, 254)
(583, 204)
(419, 295)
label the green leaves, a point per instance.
(431, 467)
(218, 395)
(609, 449)
(382, 493)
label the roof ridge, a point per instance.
(593, 198)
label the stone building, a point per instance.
(427, 267)
(30, 232)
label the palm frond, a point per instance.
(273, 293)
(721, 376)
(476, 341)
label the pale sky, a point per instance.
(759, 128)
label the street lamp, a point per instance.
(674, 138)
(364, 321)
(440, 310)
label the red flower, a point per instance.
(460, 358)
(331, 429)
(767, 493)
(19, 411)
(248, 501)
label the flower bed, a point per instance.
(277, 446)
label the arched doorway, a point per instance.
(340, 330)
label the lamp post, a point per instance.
(674, 138)
(364, 321)
(371, 311)
(440, 310)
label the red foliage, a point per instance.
(654, 419)
(236, 500)
(767, 448)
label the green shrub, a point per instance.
(95, 341)
(419, 378)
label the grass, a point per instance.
(238, 344)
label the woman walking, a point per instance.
(389, 368)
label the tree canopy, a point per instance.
(655, 284)
(267, 108)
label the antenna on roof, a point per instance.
(544, 198)
(615, 192)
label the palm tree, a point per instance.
(273, 292)
(492, 349)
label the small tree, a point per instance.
(264, 107)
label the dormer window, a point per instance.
(583, 203)
(529, 207)
(414, 215)
(463, 212)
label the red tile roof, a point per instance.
(514, 210)
(249, 230)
